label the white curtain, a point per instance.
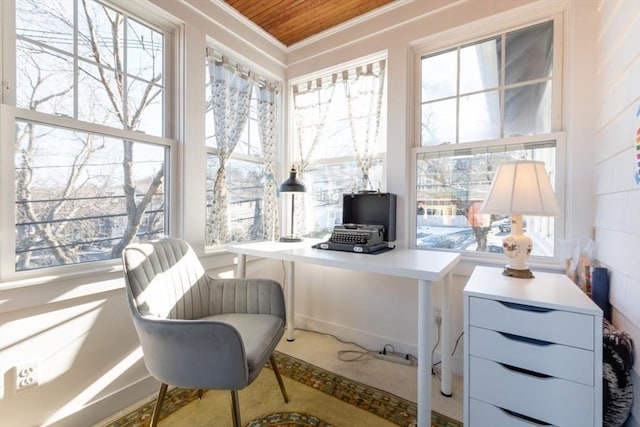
(314, 102)
(364, 95)
(231, 96)
(268, 126)
(311, 102)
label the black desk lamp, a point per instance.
(292, 185)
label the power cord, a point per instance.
(434, 371)
(359, 354)
(433, 350)
(340, 354)
(433, 365)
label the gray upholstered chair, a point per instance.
(198, 332)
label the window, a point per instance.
(241, 142)
(481, 104)
(88, 109)
(338, 146)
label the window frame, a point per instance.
(290, 146)
(10, 114)
(476, 32)
(259, 79)
(558, 184)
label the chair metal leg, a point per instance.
(235, 408)
(156, 411)
(276, 371)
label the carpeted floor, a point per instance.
(317, 398)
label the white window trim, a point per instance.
(559, 186)
(469, 33)
(9, 114)
(464, 36)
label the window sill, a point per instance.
(469, 261)
(61, 289)
(50, 289)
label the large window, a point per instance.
(338, 145)
(241, 141)
(87, 109)
(480, 104)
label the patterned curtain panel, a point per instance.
(231, 96)
(268, 125)
(364, 100)
(311, 103)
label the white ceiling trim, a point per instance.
(249, 23)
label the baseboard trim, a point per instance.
(109, 407)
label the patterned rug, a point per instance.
(385, 405)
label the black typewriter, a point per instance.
(357, 234)
(362, 238)
(368, 224)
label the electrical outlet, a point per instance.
(437, 315)
(26, 375)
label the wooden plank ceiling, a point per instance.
(291, 21)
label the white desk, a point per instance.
(425, 266)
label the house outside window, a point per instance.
(338, 146)
(86, 105)
(242, 146)
(482, 103)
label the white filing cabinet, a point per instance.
(532, 352)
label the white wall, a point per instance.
(80, 331)
(617, 195)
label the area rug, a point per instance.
(318, 398)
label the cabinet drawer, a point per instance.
(561, 361)
(561, 327)
(484, 415)
(548, 399)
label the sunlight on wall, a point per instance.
(77, 404)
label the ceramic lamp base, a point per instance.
(518, 274)
(517, 247)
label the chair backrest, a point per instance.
(165, 279)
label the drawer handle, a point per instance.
(524, 417)
(525, 339)
(524, 307)
(524, 371)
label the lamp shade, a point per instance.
(292, 184)
(521, 187)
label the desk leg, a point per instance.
(241, 269)
(290, 299)
(445, 339)
(424, 353)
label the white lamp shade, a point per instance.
(521, 187)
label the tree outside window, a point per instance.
(91, 157)
(481, 104)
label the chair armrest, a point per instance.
(253, 296)
(191, 353)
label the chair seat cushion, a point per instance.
(260, 334)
